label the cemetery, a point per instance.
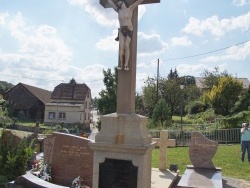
(122, 153)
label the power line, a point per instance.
(205, 53)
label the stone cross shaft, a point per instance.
(164, 143)
(127, 79)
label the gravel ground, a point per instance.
(227, 183)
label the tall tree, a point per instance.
(173, 75)
(223, 96)
(211, 78)
(108, 96)
(244, 102)
(149, 96)
(161, 112)
(170, 90)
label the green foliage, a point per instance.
(3, 180)
(5, 85)
(223, 96)
(195, 107)
(108, 96)
(14, 157)
(211, 78)
(204, 117)
(172, 93)
(173, 75)
(243, 103)
(161, 112)
(139, 107)
(149, 96)
(235, 121)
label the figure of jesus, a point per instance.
(125, 13)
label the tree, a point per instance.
(149, 96)
(108, 96)
(161, 112)
(173, 75)
(223, 96)
(211, 77)
(139, 107)
(243, 103)
(170, 90)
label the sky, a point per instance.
(47, 42)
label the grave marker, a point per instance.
(202, 174)
(164, 142)
(69, 157)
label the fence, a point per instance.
(222, 136)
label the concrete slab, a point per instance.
(201, 178)
(162, 178)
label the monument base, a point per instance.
(201, 178)
(122, 152)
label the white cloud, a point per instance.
(150, 44)
(109, 43)
(240, 3)
(197, 69)
(103, 16)
(147, 44)
(181, 41)
(41, 58)
(217, 27)
(3, 17)
(238, 53)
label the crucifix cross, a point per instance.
(127, 58)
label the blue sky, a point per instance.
(46, 42)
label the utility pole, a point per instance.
(157, 83)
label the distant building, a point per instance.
(69, 103)
(199, 81)
(27, 102)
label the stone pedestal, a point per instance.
(123, 138)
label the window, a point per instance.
(62, 115)
(52, 115)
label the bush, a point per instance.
(195, 107)
(3, 180)
(14, 157)
(235, 121)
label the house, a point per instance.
(27, 102)
(69, 103)
(200, 80)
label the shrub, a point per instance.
(14, 157)
(195, 107)
(235, 121)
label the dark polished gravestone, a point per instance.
(69, 157)
(115, 173)
(203, 173)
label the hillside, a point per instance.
(5, 85)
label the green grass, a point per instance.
(227, 157)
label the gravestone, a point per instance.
(202, 173)
(69, 157)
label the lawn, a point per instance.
(227, 158)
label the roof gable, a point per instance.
(41, 94)
(70, 91)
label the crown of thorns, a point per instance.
(125, 2)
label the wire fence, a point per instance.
(183, 137)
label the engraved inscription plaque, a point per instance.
(115, 173)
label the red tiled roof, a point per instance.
(70, 91)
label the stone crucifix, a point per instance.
(128, 18)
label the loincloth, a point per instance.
(126, 32)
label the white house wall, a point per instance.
(73, 113)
